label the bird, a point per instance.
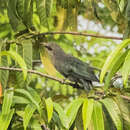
(72, 68)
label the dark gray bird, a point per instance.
(70, 67)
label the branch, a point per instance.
(62, 81)
(81, 34)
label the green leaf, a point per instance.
(41, 10)
(113, 55)
(62, 116)
(126, 68)
(114, 112)
(49, 107)
(27, 53)
(72, 110)
(6, 114)
(97, 116)
(123, 106)
(20, 100)
(115, 67)
(30, 97)
(35, 125)
(17, 58)
(15, 22)
(5, 120)
(4, 74)
(28, 12)
(8, 97)
(29, 110)
(87, 110)
(48, 5)
(34, 94)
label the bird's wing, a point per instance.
(81, 69)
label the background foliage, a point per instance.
(29, 101)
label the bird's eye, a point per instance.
(49, 48)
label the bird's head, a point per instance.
(52, 48)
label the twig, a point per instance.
(81, 34)
(62, 81)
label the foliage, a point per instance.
(28, 101)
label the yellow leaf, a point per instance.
(50, 69)
(0, 93)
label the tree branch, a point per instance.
(81, 34)
(62, 81)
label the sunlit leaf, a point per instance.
(115, 67)
(72, 110)
(87, 110)
(114, 54)
(17, 58)
(126, 68)
(30, 97)
(28, 112)
(49, 107)
(114, 112)
(62, 115)
(97, 116)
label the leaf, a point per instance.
(97, 116)
(35, 125)
(115, 67)
(27, 53)
(28, 13)
(114, 112)
(34, 94)
(28, 112)
(49, 107)
(72, 110)
(7, 113)
(126, 68)
(41, 10)
(113, 55)
(8, 97)
(5, 120)
(125, 112)
(78, 121)
(48, 6)
(17, 58)
(20, 100)
(4, 74)
(62, 115)
(0, 93)
(16, 24)
(87, 110)
(30, 97)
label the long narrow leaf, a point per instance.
(115, 67)
(29, 110)
(97, 116)
(114, 112)
(30, 97)
(72, 110)
(17, 58)
(87, 110)
(126, 68)
(62, 115)
(49, 107)
(114, 54)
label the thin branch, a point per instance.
(62, 81)
(81, 34)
